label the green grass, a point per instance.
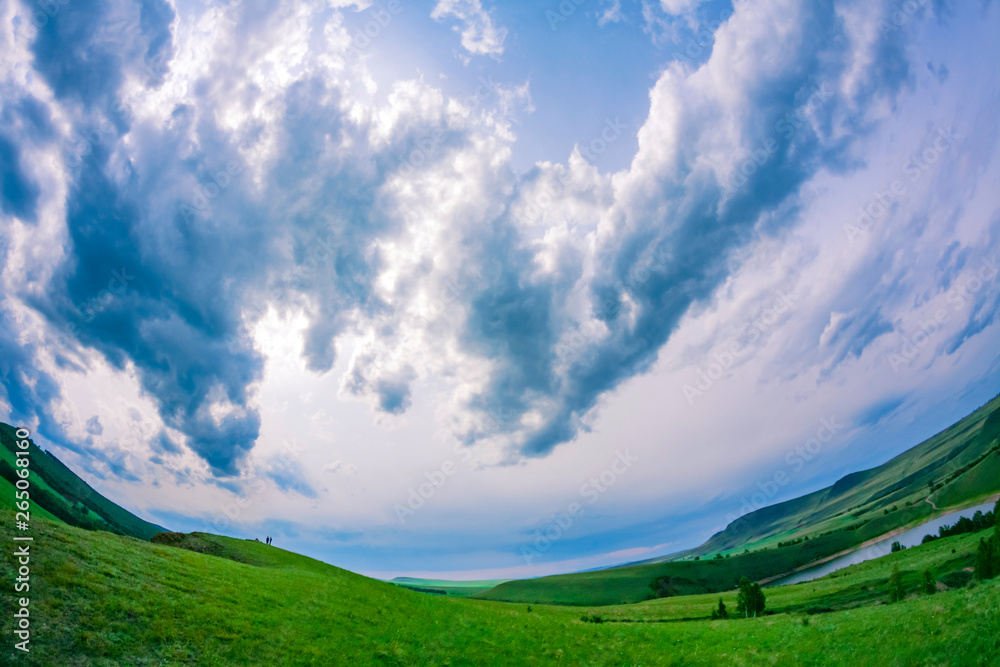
(962, 463)
(854, 586)
(104, 599)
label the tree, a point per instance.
(986, 559)
(896, 590)
(750, 601)
(996, 521)
(896, 546)
(929, 586)
(996, 539)
(720, 613)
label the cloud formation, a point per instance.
(207, 191)
(480, 35)
(207, 198)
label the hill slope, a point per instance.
(956, 468)
(58, 493)
(102, 599)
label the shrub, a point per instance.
(896, 590)
(929, 586)
(986, 559)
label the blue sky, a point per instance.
(497, 289)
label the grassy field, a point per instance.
(959, 467)
(104, 599)
(949, 560)
(99, 598)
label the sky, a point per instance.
(485, 290)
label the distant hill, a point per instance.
(57, 492)
(955, 467)
(448, 587)
(958, 467)
(199, 599)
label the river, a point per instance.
(910, 538)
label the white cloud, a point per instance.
(443, 245)
(340, 467)
(679, 7)
(612, 13)
(480, 35)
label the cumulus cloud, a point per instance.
(678, 7)
(480, 35)
(204, 187)
(611, 13)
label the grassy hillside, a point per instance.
(949, 560)
(636, 583)
(950, 469)
(102, 599)
(958, 467)
(58, 493)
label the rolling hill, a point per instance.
(446, 587)
(99, 599)
(58, 493)
(958, 467)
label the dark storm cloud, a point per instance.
(174, 248)
(686, 220)
(170, 248)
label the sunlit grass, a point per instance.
(101, 599)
